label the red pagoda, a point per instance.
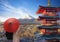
(50, 28)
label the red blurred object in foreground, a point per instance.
(11, 25)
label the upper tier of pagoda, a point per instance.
(47, 9)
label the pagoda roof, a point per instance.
(51, 9)
(46, 27)
(49, 17)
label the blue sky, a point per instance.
(22, 8)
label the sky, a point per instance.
(22, 8)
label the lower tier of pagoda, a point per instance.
(49, 32)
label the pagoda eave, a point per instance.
(49, 17)
(47, 9)
(46, 27)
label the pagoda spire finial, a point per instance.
(49, 3)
